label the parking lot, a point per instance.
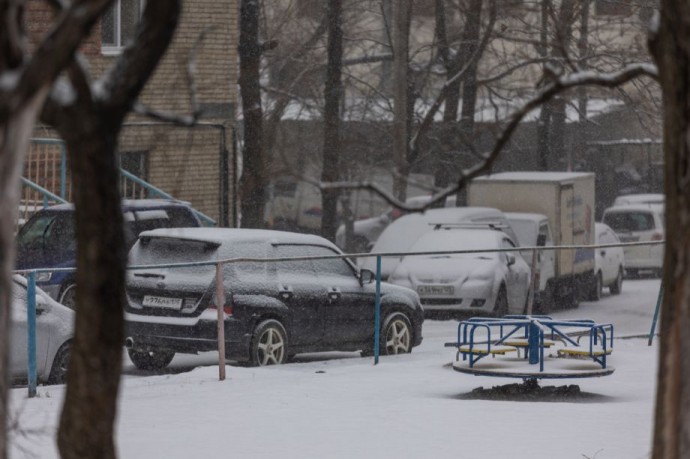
(341, 405)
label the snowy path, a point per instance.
(407, 407)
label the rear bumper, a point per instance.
(201, 336)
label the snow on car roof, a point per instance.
(224, 235)
(641, 198)
(635, 207)
(130, 204)
(535, 176)
(525, 216)
(403, 232)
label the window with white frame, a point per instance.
(119, 24)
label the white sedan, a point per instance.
(483, 283)
(609, 264)
(54, 331)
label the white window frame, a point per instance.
(116, 48)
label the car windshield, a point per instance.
(49, 231)
(452, 240)
(630, 221)
(525, 230)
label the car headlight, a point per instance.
(44, 276)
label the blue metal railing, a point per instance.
(157, 192)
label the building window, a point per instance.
(119, 24)
(612, 7)
(137, 164)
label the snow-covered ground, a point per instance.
(341, 406)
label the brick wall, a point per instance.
(182, 162)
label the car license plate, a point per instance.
(162, 302)
(436, 290)
(629, 238)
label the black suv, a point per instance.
(48, 239)
(273, 310)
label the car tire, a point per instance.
(58, 371)
(396, 335)
(617, 285)
(596, 288)
(269, 344)
(150, 360)
(68, 297)
(501, 305)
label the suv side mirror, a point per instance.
(366, 276)
(510, 259)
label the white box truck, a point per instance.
(567, 199)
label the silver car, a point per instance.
(484, 283)
(54, 332)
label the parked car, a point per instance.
(54, 331)
(533, 230)
(48, 239)
(495, 283)
(639, 223)
(272, 311)
(643, 198)
(368, 230)
(609, 262)
(401, 234)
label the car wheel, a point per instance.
(501, 306)
(150, 360)
(69, 296)
(397, 335)
(269, 344)
(596, 288)
(617, 286)
(58, 371)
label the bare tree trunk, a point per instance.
(544, 122)
(254, 178)
(671, 50)
(333, 95)
(401, 33)
(21, 99)
(90, 125)
(88, 416)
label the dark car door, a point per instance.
(298, 288)
(348, 308)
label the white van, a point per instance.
(639, 223)
(402, 233)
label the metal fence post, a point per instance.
(377, 312)
(220, 300)
(659, 299)
(31, 335)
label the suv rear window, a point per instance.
(137, 221)
(630, 221)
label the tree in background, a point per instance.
(255, 165)
(333, 95)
